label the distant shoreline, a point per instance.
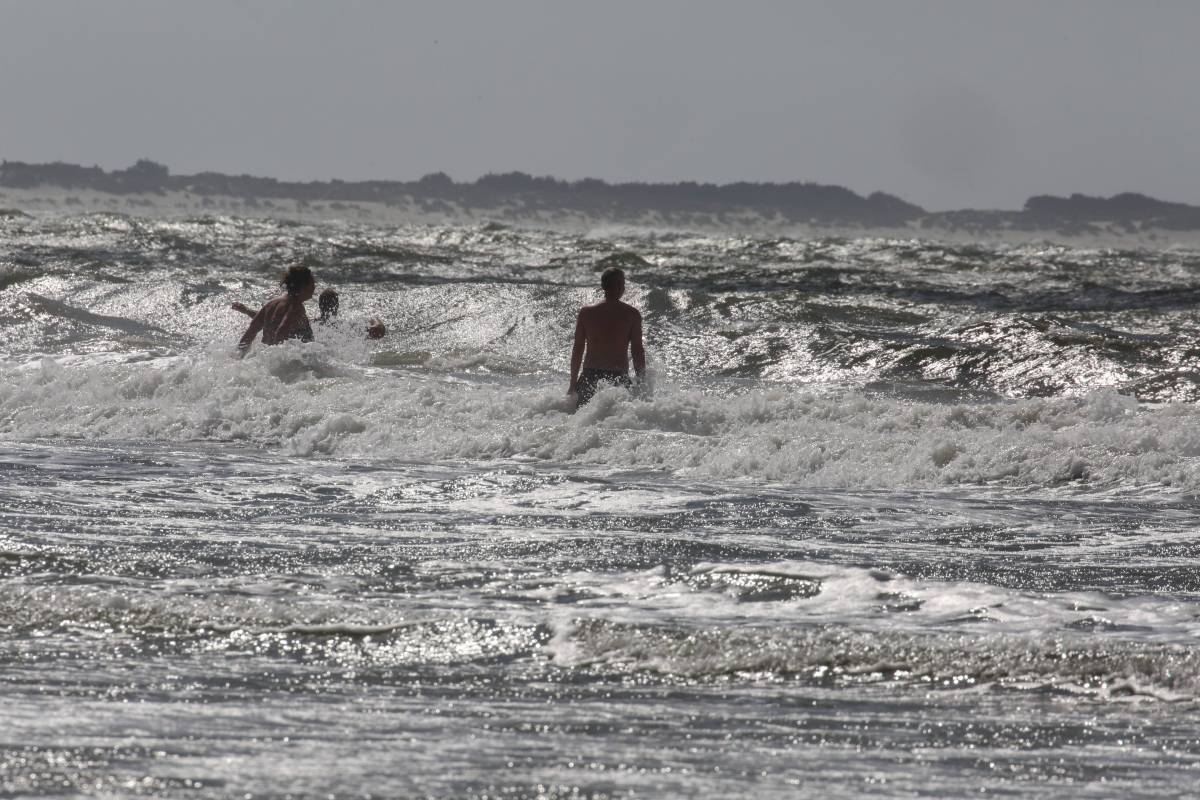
(793, 209)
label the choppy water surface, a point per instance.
(898, 518)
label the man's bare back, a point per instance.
(606, 334)
(284, 317)
(608, 329)
(279, 320)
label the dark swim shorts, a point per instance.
(590, 380)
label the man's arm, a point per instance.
(636, 349)
(249, 312)
(248, 337)
(577, 353)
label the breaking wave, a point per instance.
(307, 400)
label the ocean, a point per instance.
(892, 518)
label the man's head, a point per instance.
(328, 303)
(298, 281)
(612, 281)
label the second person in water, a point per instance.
(606, 335)
(328, 305)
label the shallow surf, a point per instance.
(898, 518)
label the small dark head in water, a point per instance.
(299, 282)
(612, 281)
(328, 303)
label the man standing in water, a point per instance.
(609, 332)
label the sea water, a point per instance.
(889, 518)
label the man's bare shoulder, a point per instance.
(591, 312)
(610, 310)
(273, 304)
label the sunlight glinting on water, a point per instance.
(892, 517)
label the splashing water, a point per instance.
(895, 518)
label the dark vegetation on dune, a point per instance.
(518, 195)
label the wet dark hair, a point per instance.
(328, 303)
(611, 278)
(296, 278)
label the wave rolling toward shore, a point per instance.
(895, 516)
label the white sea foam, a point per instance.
(305, 399)
(335, 542)
(965, 661)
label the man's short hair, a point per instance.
(611, 278)
(296, 278)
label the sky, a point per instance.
(949, 104)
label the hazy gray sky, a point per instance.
(948, 104)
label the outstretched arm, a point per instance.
(249, 312)
(635, 346)
(256, 325)
(577, 354)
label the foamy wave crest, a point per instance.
(841, 655)
(267, 625)
(304, 400)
